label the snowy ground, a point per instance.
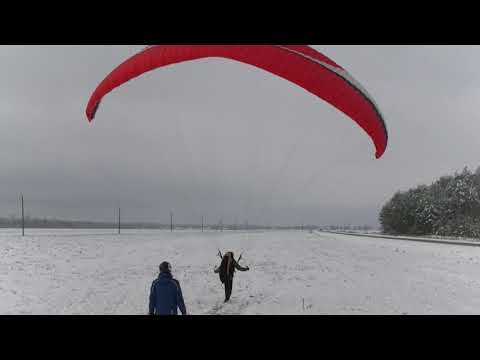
(292, 272)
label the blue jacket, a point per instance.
(166, 296)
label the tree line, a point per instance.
(33, 222)
(449, 206)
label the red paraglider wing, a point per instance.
(299, 64)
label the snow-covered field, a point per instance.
(292, 272)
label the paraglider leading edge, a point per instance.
(300, 64)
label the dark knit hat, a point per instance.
(165, 267)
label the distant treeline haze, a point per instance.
(32, 222)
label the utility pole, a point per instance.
(221, 224)
(202, 223)
(23, 219)
(119, 220)
(171, 221)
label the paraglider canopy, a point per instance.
(299, 64)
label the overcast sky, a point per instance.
(223, 139)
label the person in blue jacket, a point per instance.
(166, 293)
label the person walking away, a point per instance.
(166, 294)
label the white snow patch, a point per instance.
(292, 272)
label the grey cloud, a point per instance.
(220, 138)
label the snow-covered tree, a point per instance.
(450, 206)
